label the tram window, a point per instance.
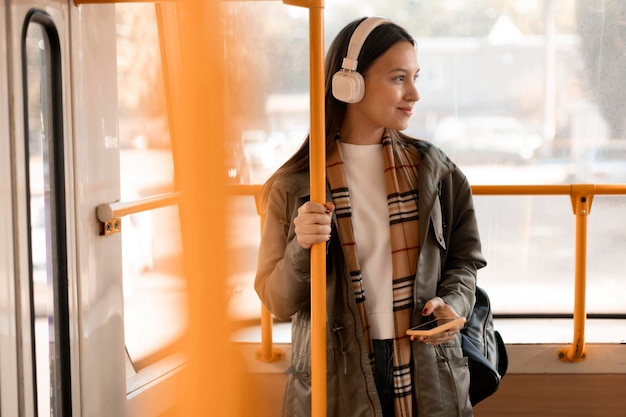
(516, 92)
(46, 192)
(529, 251)
(606, 276)
(153, 284)
(154, 288)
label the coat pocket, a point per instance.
(455, 381)
(297, 398)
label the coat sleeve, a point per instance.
(463, 256)
(283, 273)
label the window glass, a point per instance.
(154, 288)
(605, 273)
(515, 91)
(39, 187)
(48, 257)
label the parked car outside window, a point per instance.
(487, 139)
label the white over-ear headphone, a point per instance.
(348, 85)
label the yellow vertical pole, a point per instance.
(317, 153)
(318, 194)
(582, 197)
(267, 353)
(577, 350)
(211, 380)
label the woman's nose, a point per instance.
(412, 94)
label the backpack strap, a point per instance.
(480, 342)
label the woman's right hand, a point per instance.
(313, 223)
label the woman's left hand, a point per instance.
(439, 309)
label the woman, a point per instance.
(402, 243)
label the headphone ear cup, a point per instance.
(348, 86)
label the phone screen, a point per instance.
(435, 326)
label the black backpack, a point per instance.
(485, 350)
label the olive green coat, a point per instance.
(447, 223)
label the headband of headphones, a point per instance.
(358, 39)
(347, 84)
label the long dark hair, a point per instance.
(377, 43)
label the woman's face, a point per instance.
(390, 91)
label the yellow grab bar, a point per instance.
(109, 214)
(79, 2)
(108, 211)
(581, 196)
(317, 167)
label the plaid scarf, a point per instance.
(402, 200)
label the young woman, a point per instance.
(402, 242)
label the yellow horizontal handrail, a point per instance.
(581, 196)
(558, 189)
(108, 211)
(248, 189)
(79, 2)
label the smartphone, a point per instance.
(435, 326)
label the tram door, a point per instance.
(8, 346)
(35, 321)
(48, 272)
